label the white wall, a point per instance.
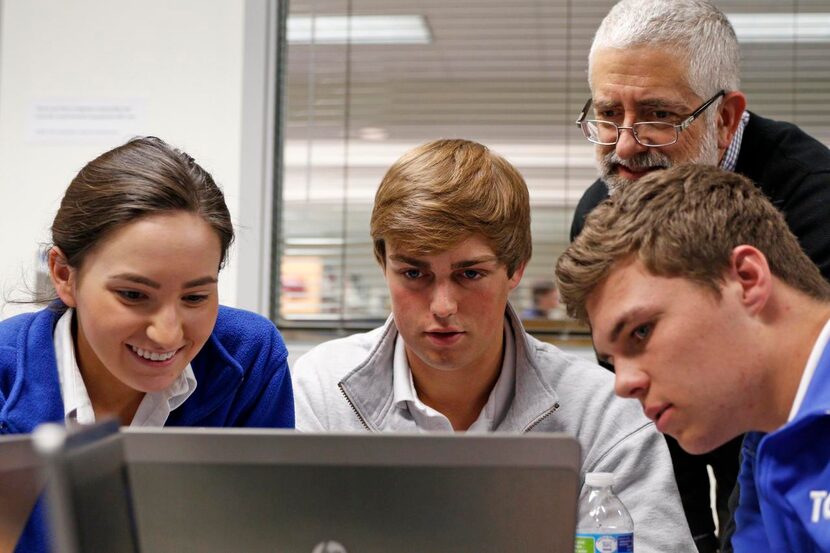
(181, 63)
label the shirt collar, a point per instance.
(154, 408)
(403, 387)
(404, 395)
(730, 156)
(157, 406)
(76, 404)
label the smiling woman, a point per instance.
(135, 325)
(143, 311)
(136, 330)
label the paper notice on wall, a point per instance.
(65, 121)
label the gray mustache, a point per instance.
(645, 160)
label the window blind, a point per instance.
(512, 75)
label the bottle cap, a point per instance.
(599, 479)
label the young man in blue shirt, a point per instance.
(716, 321)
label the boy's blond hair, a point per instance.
(442, 192)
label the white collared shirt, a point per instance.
(154, 408)
(428, 419)
(810, 369)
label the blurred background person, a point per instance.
(545, 301)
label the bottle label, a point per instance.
(604, 543)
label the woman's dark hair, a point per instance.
(145, 176)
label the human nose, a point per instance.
(166, 328)
(627, 146)
(443, 302)
(629, 380)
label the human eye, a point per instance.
(195, 299)
(411, 274)
(471, 274)
(663, 115)
(607, 114)
(131, 296)
(641, 332)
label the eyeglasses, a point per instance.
(648, 133)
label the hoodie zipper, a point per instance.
(540, 418)
(351, 404)
(527, 428)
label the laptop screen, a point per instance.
(275, 491)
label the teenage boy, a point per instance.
(716, 320)
(451, 232)
(665, 90)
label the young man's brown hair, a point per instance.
(446, 190)
(683, 222)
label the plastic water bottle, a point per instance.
(604, 523)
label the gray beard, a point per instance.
(652, 159)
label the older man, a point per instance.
(664, 78)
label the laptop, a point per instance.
(220, 490)
(21, 483)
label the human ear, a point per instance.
(63, 276)
(730, 110)
(749, 269)
(517, 275)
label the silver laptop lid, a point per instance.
(219, 490)
(21, 482)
